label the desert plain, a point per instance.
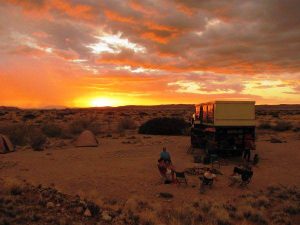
(120, 175)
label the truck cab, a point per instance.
(223, 126)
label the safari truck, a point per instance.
(223, 127)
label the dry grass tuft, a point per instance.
(280, 218)
(291, 208)
(37, 139)
(220, 215)
(253, 215)
(282, 126)
(265, 125)
(126, 124)
(16, 132)
(261, 201)
(79, 125)
(12, 186)
(52, 130)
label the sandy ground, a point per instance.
(117, 170)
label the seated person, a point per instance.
(170, 171)
(243, 174)
(162, 167)
(208, 177)
(166, 170)
(165, 155)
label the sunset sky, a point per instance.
(81, 53)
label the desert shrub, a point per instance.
(148, 217)
(274, 114)
(220, 215)
(2, 113)
(17, 133)
(95, 127)
(52, 130)
(264, 125)
(126, 124)
(37, 139)
(280, 218)
(124, 114)
(291, 208)
(275, 140)
(253, 215)
(164, 126)
(261, 201)
(142, 114)
(260, 113)
(109, 113)
(12, 186)
(282, 126)
(180, 215)
(296, 129)
(28, 116)
(79, 125)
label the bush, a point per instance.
(17, 133)
(12, 186)
(28, 116)
(52, 130)
(37, 140)
(252, 215)
(291, 208)
(79, 125)
(95, 127)
(265, 125)
(164, 126)
(282, 126)
(142, 114)
(126, 124)
(274, 114)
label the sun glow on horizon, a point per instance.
(96, 102)
(100, 102)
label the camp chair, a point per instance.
(180, 178)
(205, 183)
(246, 179)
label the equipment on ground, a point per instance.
(5, 144)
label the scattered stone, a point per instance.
(165, 195)
(105, 216)
(50, 205)
(87, 213)
(79, 210)
(275, 140)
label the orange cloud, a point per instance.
(119, 18)
(56, 52)
(74, 10)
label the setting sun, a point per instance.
(96, 102)
(100, 102)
